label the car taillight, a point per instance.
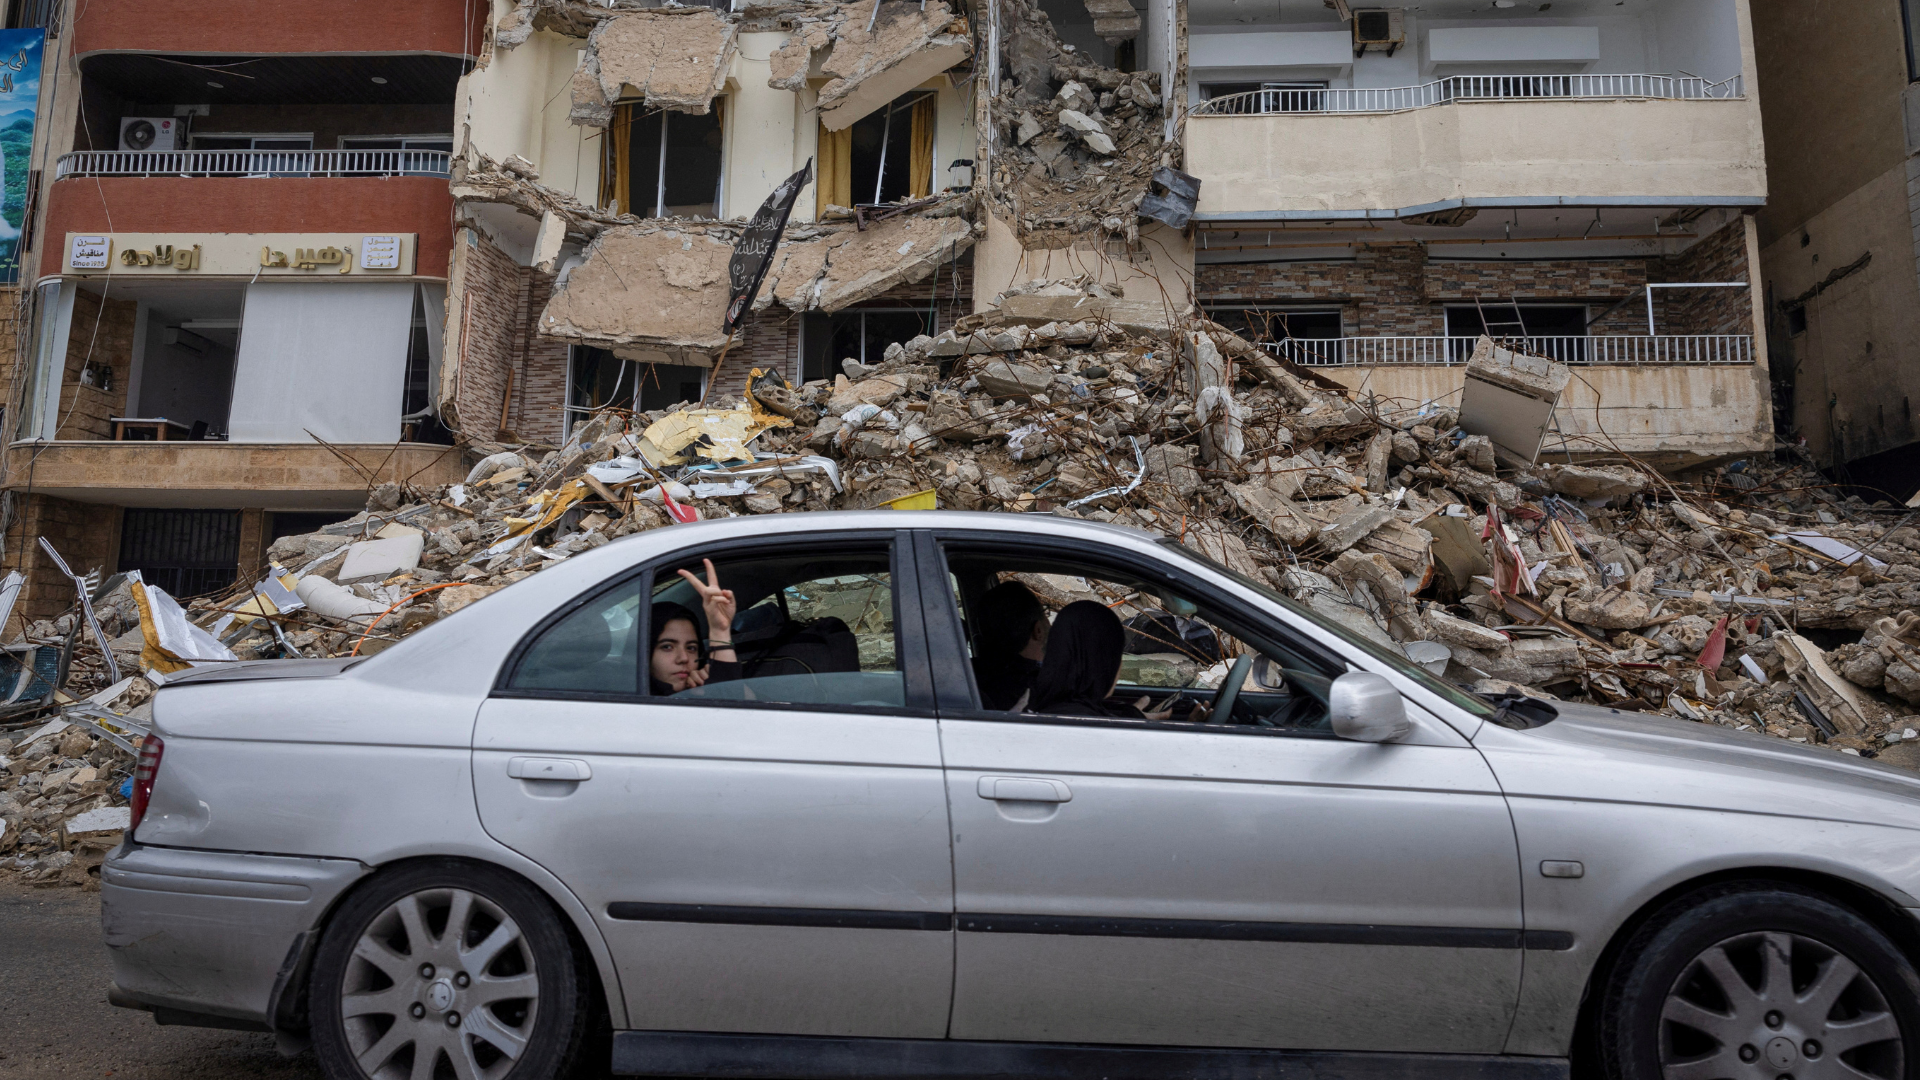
(144, 771)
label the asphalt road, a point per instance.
(55, 1020)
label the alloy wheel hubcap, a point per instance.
(440, 981)
(1777, 1006)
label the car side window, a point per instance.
(1140, 648)
(593, 650)
(808, 627)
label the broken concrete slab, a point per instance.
(673, 58)
(867, 69)
(641, 285)
(1596, 481)
(835, 268)
(1351, 527)
(1114, 20)
(1510, 398)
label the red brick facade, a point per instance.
(1402, 288)
(452, 27)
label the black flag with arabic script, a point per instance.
(754, 253)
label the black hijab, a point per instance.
(1006, 615)
(1083, 659)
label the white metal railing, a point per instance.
(254, 163)
(1624, 350)
(1470, 88)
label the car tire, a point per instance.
(506, 998)
(1752, 978)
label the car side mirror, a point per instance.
(1365, 707)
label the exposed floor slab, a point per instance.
(907, 46)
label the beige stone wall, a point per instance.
(102, 338)
(1503, 149)
(86, 534)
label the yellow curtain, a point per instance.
(920, 164)
(619, 148)
(835, 183)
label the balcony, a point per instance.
(255, 164)
(1465, 88)
(1595, 350)
(221, 475)
(1366, 156)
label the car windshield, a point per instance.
(1400, 664)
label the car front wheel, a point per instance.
(1763, 981)
(446, 969)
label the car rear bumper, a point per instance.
(212, 934)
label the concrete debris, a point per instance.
(674, 57)
(1598, 582)
(1114, 20)
(908, 44)
(655, 285)
(1077, 145)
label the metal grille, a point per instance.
(1470, 88)
(1659, 349)
(255, 163)
(185, 552)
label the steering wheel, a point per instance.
(1229, 691)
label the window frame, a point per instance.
(910, 638)
(959, 696)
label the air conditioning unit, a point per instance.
(1378, 28)
(149, 133)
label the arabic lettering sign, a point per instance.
(754, 253)
(241, 254)
(19, 108)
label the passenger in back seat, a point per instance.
(678, 659)
(1010, 638)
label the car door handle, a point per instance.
(548, 768)
(1024, 789)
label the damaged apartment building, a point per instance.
(550, 192)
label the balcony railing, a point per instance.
(1470, 88)
(1454, 351)
(255, 163)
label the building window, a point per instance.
(597, 379)
(1267, 97)
(861, 334)
(402, 155)
(1504, 320)
(1259, 323)
(883, 157)
(1796, 321)
(1910, 17)
(666, 164)
(185, 552)
(260, 155)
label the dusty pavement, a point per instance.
(55, 1020)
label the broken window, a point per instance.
(185, 552)
(883, 157)
(1313, 335)
(861, 334)
(665, 164)
(597, 379)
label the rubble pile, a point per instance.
(1076, 144)
(1752, 596)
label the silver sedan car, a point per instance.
(953, 795)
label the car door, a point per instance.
(1120, 881)
(761, 856)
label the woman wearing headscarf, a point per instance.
(1012, 639)
(1082, 666)
(678, 658)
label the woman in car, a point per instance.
(1082, 666)
(677, 657)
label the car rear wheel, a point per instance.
(447, 970)
(1762, 981)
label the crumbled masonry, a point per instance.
(675, 58)
(908, 45)
(1075, 145)
(1598, 581)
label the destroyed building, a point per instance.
(1838, 234)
